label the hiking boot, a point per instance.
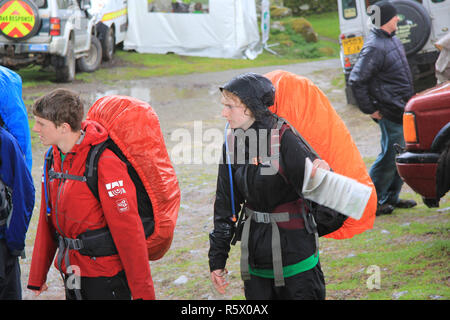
(405, 204)
(384, 209)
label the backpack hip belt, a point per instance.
(95, 243)
(92, 243)
(273, 218)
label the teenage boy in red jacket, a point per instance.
(73, 210)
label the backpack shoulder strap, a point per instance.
(48, 162)
(91, 172)
(283, 125)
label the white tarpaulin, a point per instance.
(228, 30)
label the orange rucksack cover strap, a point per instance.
(307, 108)
(134, 127)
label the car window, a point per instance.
(437, 1)
(349, 9)
(371, 2)
(40, 3)
(64, 4)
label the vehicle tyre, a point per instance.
(92, 61)
(431, 203)
(65, 66)
(414, 27)
(26, 29)
(109, 44)
(443, 172)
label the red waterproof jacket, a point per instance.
(74, 210)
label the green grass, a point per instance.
(411, 248)
(326, 24)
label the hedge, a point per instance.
(307, 7)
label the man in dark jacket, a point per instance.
(16, 207)
(382, 84)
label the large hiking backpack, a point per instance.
(134, 127)
(135, 137)
(309, 111)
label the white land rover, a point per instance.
(422, 23)
(57, 33)
(112, 24)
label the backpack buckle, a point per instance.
(261, 217)
(74, 244)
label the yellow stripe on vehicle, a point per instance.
(114, 15)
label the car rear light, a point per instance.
(342, 36)
(347, 62)
(55, 26)
(409, 127)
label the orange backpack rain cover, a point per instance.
(134, 127)
(307, 108)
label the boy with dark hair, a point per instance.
(71, 212)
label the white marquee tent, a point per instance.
(228, 30)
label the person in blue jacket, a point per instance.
(13, 113)
(16, 206)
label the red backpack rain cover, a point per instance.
(307, 108)
(134, 127)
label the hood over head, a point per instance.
(255, 91)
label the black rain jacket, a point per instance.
(381, 78)
(262, 193)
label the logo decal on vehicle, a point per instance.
(17, 19)
(115, 188)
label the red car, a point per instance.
(424, 163)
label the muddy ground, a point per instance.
(181, 102)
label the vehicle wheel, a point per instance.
(24, 9)
(109, 45)
(65, 66)
(414, 26)
(431, 203)
(92, 61)
(443, 172)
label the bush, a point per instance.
(304, 27)
(326, 51)
(278, 12)
(299, 24)
(307, 7)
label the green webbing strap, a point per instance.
(288, 271)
